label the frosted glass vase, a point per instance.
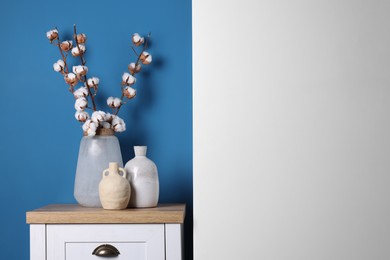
(95, 153)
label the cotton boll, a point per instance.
(77, 51)
(81, 116)
(119, 128)
(114, 102)
(81, 38)
(129, 92)
(66, 45)
(89, 124)
(117, 102)
(110, 101)
(59, 66)
(145, 58)
(91, 132)
(89, 127)
(61, 63)
(105, 125)
(52, 34)
(137, 39)
(118, 124)
(128, 79)
(80, 70)
(93, 82)
(134, 69)
(85, 126)
(81, 92)
(93, 126)
(81, 104)
(109, 117)
(98, 116)
(71, 79)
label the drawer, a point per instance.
(127, 250)
(78, 241)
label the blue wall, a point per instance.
(40, 136)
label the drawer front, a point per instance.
(127, 251)
(78, 241)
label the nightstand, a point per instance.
(72, 232)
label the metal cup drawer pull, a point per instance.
(106, 250)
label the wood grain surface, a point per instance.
(76, 214)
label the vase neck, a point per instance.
(113, 167)
(140, 150)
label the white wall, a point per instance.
(291, 129)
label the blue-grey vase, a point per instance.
(95, 154)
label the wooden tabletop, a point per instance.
(76, 214)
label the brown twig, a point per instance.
(133, 73)
(83, 62)
(66, 69)
(62, 53)
(136, 54)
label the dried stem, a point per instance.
(62, 53)
(83, 62)
(64, 56)
(136, 54)
(133, 73)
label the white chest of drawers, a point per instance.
(72, 232)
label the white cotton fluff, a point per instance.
(129, 92)
(98, 116)
(71, 79)
(82, 48)
(93, 82)
(71, 75)
(90, 127)
(109, 117)
(50, 33)
(105, 125)
(80, 70)
(81, 92)
(134, 69)
(146, 57)
(66, 45)
(85, 126)
(59, 65)
(91, 132)
(118, 124)
(80, 104)
(81, 116)
(110, 100)
(117, 102)
(128, 79)
(137, 39)
(114, 102)
(76, 51)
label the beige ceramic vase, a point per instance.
(114, 189)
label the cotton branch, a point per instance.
(133, 73)
(83, 62)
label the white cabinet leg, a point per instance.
(37, 242)
(173, 241)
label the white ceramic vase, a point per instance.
(114, 189)
(95, 153)
(143, 177)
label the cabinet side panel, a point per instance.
(173, 241)
(37, 242)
